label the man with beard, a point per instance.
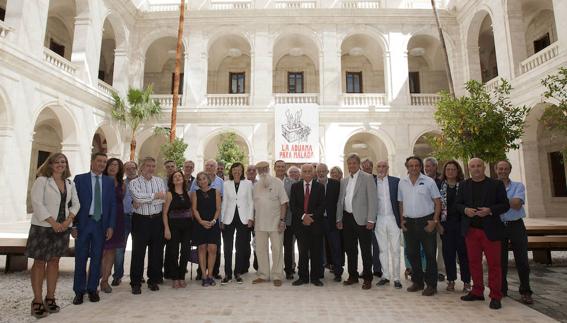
(270, 203)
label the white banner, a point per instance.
(297, 133)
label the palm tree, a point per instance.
(138, 108)
(445, 54)
(177, 72)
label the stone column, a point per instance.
(86, 47)
(262, 69)
(15, 159)
(196, 69)
(330, 69)
(29, 20)
(137, 63)
(397, 69)
(120, 78)
(560, 12)
(517, 35)
(504, 57)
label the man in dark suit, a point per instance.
(307, 203)
(367, 166)
(332, 190)
(94, 224)
(482, 200)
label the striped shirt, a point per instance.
(143, 192)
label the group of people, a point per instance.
(326, 214)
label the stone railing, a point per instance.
(296, 98)
(363, 99)
(166, 100)
(59, 62)
(165, 7)
(4, 29)
(295, 4)
(228, 100)
(492, 84)
(424, 99)
(105, 88)
(228, 5)
(539, 58)
(361, 4)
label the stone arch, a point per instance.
(472, 41)
(159, 65)
(205, 141)
(224, 31)
(426, 57)
(110, 136)
(361, 53)
(372, 32)
(367, 144)
(229, 53)
(210, 146)
(121, 32)
(420, 147)
(156, 34)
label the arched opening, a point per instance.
(212, 147)
(545, 167)
(422, 148)
(229, 66)
(3, 9)
(61, 27)
(367, 146)
(106, 61)
(295, 65)
(47, 139)
(487, 50)
(362, 65)
(427, 72)
(160, 66)
(99, 144)
(152, 148)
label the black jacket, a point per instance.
(494, 198)
(315, 206)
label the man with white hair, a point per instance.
(270, 204)
(388, 227)
(217, 183)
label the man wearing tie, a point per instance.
(307, 203)
(356, 216)
(94, 223)
(332, 189)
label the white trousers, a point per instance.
(263, 240)
(389, 240)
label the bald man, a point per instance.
(307, 204)
(481, 200)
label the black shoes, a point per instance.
(217, 276)
(93, 297)
(299, 282)
(238, 280)
(440, 277)
(136, 290)
(429, 291)
(317, 283)
(378, 274)
(495, 304)
(153, 287)
(78, 300)
(116, 282)
(289, 276)
(382, 282)
(225, 281)
(397, 285)
(198, 277)
(51, 306)
(338, 278)
(472, 297)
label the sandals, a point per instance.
(38, 310)
(51, 306)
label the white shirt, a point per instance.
(350, 191)
(305, 187)
(384, 203)
(418, 198)
(143, 192)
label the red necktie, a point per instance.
(306, 198)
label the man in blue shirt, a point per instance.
(515, 232)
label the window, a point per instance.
(237, 83)
(541, 43)
(295, 82)
(180, 82)
(414, 86)
(2, 14)
(101, 75)
(56, 47)
(354, 82)
(42, 157)
(558, 178)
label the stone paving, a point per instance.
(266, 303)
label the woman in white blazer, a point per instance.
(55, 203)
(236, 215)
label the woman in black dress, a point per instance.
(206, 203)
(453, 240)
(55, 203)
(177, 228)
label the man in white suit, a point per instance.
(356, 216)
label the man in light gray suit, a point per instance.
(356, 216)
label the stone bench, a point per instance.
(14, 249)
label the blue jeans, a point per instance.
(119, 257)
